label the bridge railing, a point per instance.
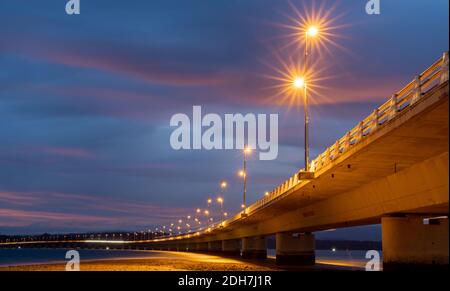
(436, 74)
(406, 97)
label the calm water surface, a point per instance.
(14, 257)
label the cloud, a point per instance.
(16, 198)
(28, 208)
(30, 216)
(65, 152)
(150, 63)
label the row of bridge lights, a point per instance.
(298, 83)
(195, 222)
(188, 224)
(293, 82)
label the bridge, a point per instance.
(391, 169)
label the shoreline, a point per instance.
(182, 261)
(166, 261)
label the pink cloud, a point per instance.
(17, 198)
(143, 63)
(66, 152)
(39, 216)
(80, 211)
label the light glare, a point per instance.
(313, 31)
(299, 82)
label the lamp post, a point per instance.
(209, 209)
(207, 217)
(311, 32)
(220, 201)
(243, 173)
(198, 216)
(223, 186)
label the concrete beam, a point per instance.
(421, 188)
(254, 247)
(409, 243)
(295, 250)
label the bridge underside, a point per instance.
(401, 169)
(397, 176)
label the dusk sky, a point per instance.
(86, 100)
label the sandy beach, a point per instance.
(159, 261)
(182, 261)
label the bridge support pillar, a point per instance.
(202, 247)
(295, 250)
(181, 246)
(412, 242)
(254, 248)
(231, 247)
(172, 246)
(215, 246)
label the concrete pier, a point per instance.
(215, 246)
(254, 248)
(295, 250)
(231, 247)
(411, 242)
(201, 247)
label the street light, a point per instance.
(223, 185)
(243, 173)
(209, 201)
(312, 31)
(299, 83)
(220, 201)
(207, 214)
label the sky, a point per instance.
(86, 100)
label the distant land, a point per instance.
(321, 244)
